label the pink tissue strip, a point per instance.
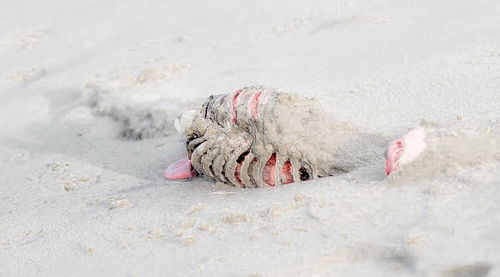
(393, 155)
(181, 169)
(234, 113)
(253, 106)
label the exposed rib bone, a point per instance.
(295, 169)
(194, 143)
(207, 161)
(280, 160)
(198, 154)
(251, 168)
(218, 168)
(231, 164)
(313, 171)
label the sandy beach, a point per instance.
(89, 91)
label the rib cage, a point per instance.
(258, 137)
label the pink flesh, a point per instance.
(181, 169)
(253, 106)
(237, 174)
(286, 173)
(270, 171)
(234, 113)
(393, 155)
(404, 150)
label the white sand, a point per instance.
(78, 199)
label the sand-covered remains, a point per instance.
(260, 137)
